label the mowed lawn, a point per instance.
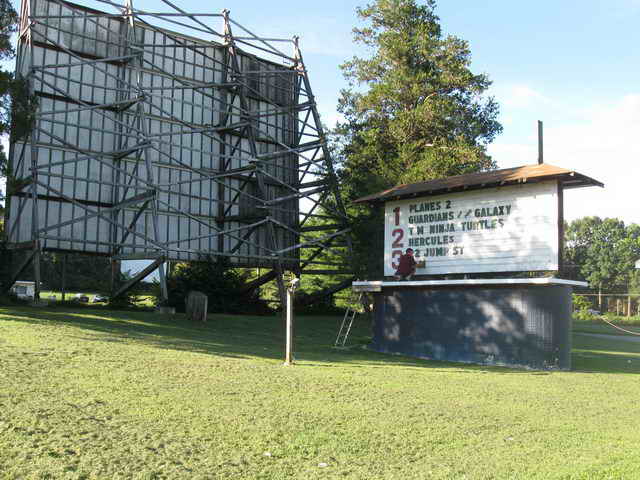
(98, 394)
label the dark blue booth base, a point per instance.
(526, 326)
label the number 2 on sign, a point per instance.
(397, 234)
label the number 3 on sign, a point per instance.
(394, 254)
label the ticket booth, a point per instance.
(488, 285)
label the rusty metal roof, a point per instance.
(475, 181)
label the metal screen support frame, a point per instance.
(236, 74)
(260, 114)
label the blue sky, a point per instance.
(573, 64)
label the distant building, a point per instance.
(25, 290)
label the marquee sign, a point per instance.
(506, 229)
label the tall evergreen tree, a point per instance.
(8, 26)
(17, 114)
(413, 111)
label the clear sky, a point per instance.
(573, 64)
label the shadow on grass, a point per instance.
(245, 337)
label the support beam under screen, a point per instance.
(139, 277)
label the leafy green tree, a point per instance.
(413, 111)
(5, 261)
(603, 252)
(8, 26)
(634, 283)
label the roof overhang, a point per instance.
(475, 181)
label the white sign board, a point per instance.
(502, 229)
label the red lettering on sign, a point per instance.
(394, 254)
(397, 215)
(398, 234)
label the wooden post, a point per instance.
(196, 307)
(64, 276)
(600, 299)
(36, 272)
(288, 356)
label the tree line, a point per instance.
(603, 252)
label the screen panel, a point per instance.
(132, 150)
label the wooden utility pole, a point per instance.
(288, 354)
(64, 276)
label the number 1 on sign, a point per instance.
(396, 212)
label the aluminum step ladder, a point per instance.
(347, 323)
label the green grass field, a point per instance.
(97, 394)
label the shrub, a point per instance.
(580, 303)
(222, 284)
(585, 316)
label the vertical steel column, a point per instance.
(143, 136)
(122, 94)
(34, 136)
(223, 120)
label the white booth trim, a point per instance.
(377, 285)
